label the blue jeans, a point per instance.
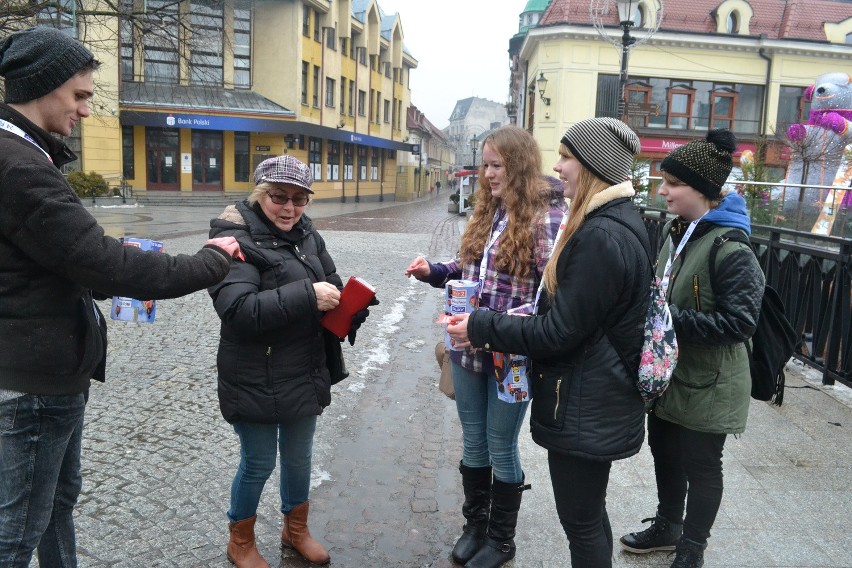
(490, 427)
(259, 444)
(40, 440)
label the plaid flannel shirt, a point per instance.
(503, 292)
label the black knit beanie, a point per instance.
(605, 146)
(705, 164)
(38, 60)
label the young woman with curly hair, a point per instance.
(514, 224)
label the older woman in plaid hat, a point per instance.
(276, 363)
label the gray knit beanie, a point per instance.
(704, 165)
(38, 60)
(605, 146)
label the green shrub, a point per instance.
(87, 185)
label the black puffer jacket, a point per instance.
(53, 254)
(271, 361)
(585, 401)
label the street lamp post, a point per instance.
(644, 14)
(625, 18)
(474, 144)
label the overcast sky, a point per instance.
(461, 47)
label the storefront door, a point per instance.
(162, 149)
(207, 160)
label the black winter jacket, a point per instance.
(585, 344)
(53, 254)
(271, 361)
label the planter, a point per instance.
(452, 207)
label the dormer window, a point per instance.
(733, 23)
(733, 17)
(639, 18)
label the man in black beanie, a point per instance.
(53, 255)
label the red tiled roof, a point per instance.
(777, 19)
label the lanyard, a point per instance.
(555, 241)
(672, 257)
(501, 226)
(9, 127)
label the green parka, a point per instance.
(711, 384)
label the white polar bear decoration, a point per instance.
(817, 153)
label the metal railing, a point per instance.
(813, 275)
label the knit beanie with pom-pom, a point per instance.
(705, 164)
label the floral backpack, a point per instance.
(658, 356)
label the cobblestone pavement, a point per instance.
(158, 459)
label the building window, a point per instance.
(332, 166)
(373, 62)
(374, 163)
(316, 86)
(205, 59)
(387, 69)
(242, 43)
(377, 106)
(128, 158)
(315, 157)
(680, 107)
(344, 46)
(317, 32)
(342, 96)
(732, 24)
(639, 18)
(241, 156)
(305, 70)
(331, 38)
(362, 55)
(638, 104)
(126, 40)
(347, 161)
(386, 111)
(723, 107)
(351, 102)
(792, 107)
(59, 14)
(362, 102)
(306, 20)
(162, 41)
(330, 91)
(362, 162)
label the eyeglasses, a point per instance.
(299, 200)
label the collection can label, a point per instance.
(131, 309)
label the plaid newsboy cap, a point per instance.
(284, 169)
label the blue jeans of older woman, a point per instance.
(490, 426)
(260, 444)
(40, 442)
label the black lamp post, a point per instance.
(626, 9)
(474, 143)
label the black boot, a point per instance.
(661, 535)
(499, 548)
(476, 482)
(690, 554)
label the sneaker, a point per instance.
(690, 554)
(661, 535)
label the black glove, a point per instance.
(358, 319)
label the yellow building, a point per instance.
(712, 63)
(192, 95)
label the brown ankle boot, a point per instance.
(295, 534)
(242, 551)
